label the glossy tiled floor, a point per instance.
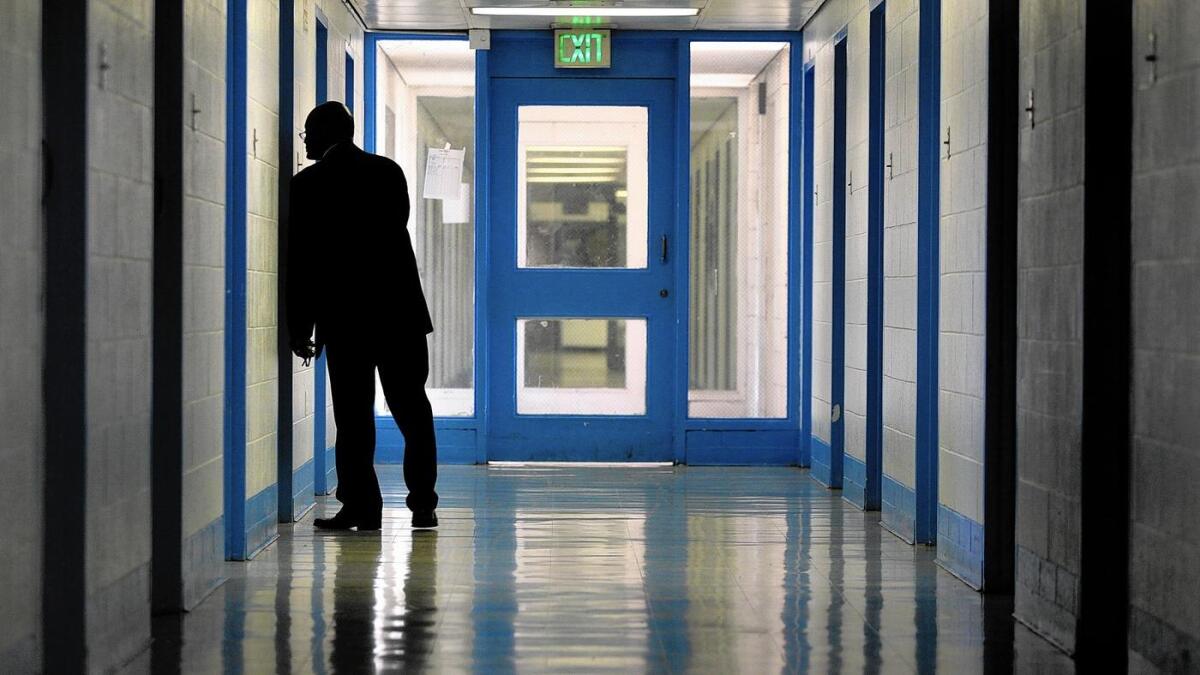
(569, 570)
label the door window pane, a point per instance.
(738, 254)
(585, 366)
(582, 181)
(427, 91)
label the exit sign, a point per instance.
(582, 48)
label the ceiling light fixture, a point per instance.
(585, 11)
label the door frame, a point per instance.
(782, 441)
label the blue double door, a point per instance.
(581, 291)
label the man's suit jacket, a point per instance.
(351, 269)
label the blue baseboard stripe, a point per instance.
(854, 481)
(899, 509)
(960, 546)
(261, 516)
(303, 480)
(822, 463)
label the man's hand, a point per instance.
(306, 350)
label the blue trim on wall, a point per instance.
(261, 517)
(286, 445)
(683, 246)
(928, 195)
(235, 281)
(837, 376)
(854, 481)
(741, 448)
(483, 163)
(456, 444)
(321, 465)
(797, 249)
(872, 490)
(820, 469)
(303, 479)
(320, 428)
(806, 280)
(349, 75)
(899, 509)
(960, 546)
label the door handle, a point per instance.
(664, 248)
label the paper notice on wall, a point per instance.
(455, 211)
(443, 173)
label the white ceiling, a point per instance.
(432, 63)
(714, 15)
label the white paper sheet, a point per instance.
(443, 173)
(455, 211)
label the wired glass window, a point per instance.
(426, 89)
(738, 215)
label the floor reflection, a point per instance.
(601, 569)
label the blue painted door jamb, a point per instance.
(806, 281)
(235, 282)
(874, 436)
(837, 379)
(928, 195)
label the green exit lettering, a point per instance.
(582, 49)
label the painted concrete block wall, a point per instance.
(902, 22)
(818, 50)
(962, 307)
(1164, 619)
(900, 242)
(262, 279)
(22, 262)
(203, 296)
(1050, 317)
(858, 131)
(120, 245)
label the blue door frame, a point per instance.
(806, 282)
(235, 282)
(872, 492)
(828, 461)
(661, 55)
(324, 466)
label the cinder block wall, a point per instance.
(858, 134)
(900, 265)
(262, 268)
(120, 243)
(1050, 318)
(818, 50)
(203, 296)
(22, 261)
(962, 306)
(1164, 621)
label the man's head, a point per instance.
(327, 125)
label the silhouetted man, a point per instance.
(353, 275)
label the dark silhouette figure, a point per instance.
(353, 276)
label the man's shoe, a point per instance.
(345, 521)
(424, 519)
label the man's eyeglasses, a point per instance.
(303, 134)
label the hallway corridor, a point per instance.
(547, 569)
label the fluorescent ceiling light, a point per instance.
(575, 148)
(605, 170)
(585, 11)
(575, 160)
(570, 179)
